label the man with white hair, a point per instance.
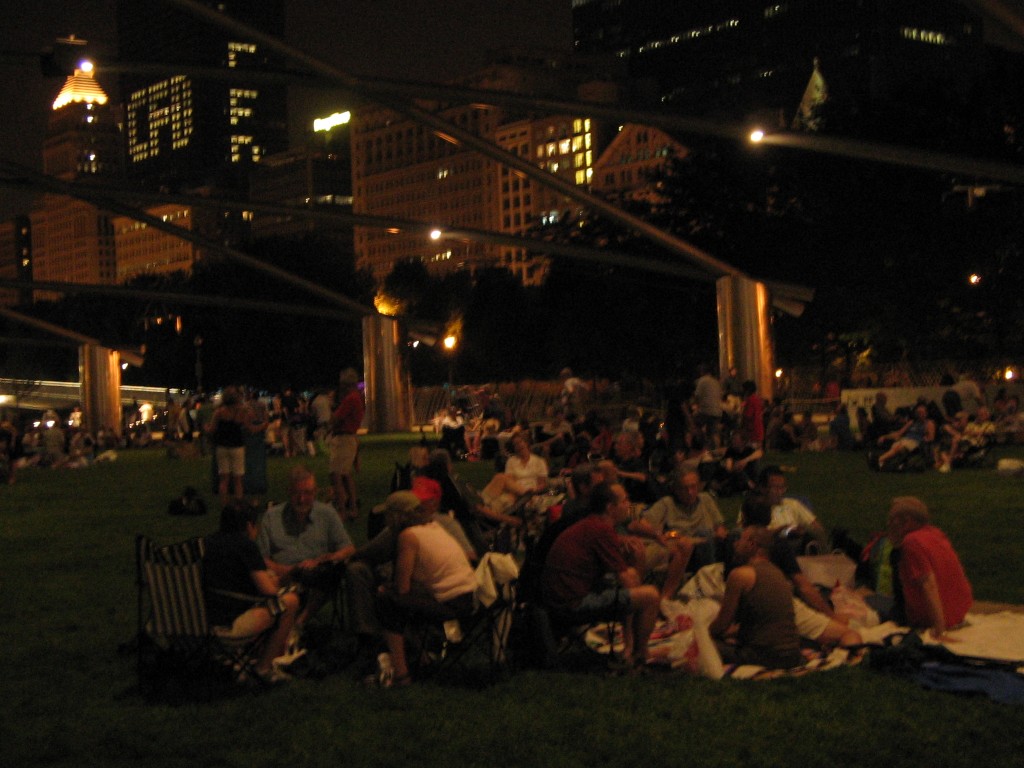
(929, 585)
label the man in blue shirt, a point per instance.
(304, 542)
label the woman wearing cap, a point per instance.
(433, 579)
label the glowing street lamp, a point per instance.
(974, 279)
(435, 234)
(450, 342)
(756, 136)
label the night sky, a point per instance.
(408, 39)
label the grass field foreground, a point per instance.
(68, 599)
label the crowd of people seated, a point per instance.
(637, 511)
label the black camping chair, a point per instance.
(173, 636)
(456, 644)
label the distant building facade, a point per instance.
(72, 241)
(637, 152)
(15, 259)
(145, 250)
(404, 170)
(184, 131)
(317, 174)
(739, 57)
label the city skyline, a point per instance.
(425, 46)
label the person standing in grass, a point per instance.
(227, 429)
(930, 588)
(344, 444)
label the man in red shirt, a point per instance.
(343, 444)
(930, 586)
(752, 417)
(574, 585)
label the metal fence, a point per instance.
(802, 387)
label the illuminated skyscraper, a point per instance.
(404, 170)
(320, 173)
(183, 130)
(71, 240)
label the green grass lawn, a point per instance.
(67, 599)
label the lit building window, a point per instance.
(925, 36)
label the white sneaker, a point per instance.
(453, 631)
(289, 657)
(294, 644)
(385, 671)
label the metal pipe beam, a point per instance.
(688, 251)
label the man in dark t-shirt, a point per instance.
(758, 603)
(815, 618)
(574, 582)
(241, 592)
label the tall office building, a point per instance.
(71, 240)
(15, 258)
(183, 130)
(624, 170)
(404, 170)
(144, 250)
(744, 57)
(319, 173)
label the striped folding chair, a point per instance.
(172, 620)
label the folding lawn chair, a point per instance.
(174, 637)
(488, 629)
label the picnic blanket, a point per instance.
(682, 642)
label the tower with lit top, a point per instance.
(72, 241)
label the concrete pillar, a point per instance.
(99, 371)
(744, 331)
(388, 392)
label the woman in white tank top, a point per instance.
(433, 580)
